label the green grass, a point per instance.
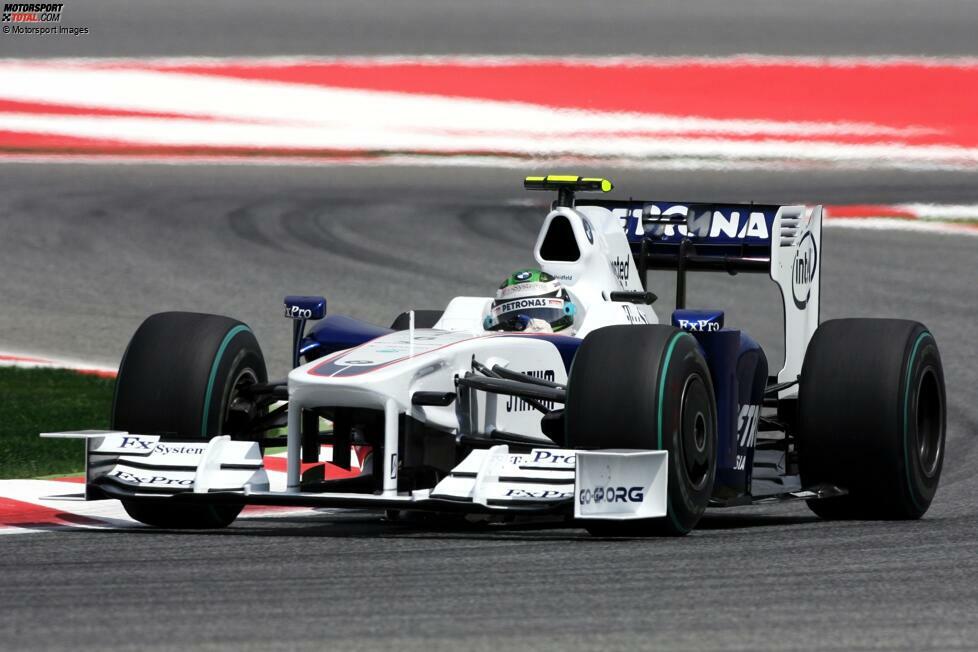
(47, 400)
(969, 221)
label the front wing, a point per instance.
(603, 484)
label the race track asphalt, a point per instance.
(88, 250)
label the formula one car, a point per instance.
(624, 425)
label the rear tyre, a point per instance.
(872, 418)
(183, 377)
(647, 387)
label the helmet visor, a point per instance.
(549, 309)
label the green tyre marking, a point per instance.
(240, 328)
(662, 390)
(906, 410)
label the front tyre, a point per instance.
(647, 387)
(872, 418)
(184, 376)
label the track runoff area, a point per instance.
(631, 109)
(510, 111)
(520, 111)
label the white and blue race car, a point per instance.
(629, 426)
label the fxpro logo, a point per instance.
(803, 270)
(297, 312)
(154, 480)
(611, 495)
(699, 325)
(531, 494)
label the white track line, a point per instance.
(40, 361)
(942, 211)
(896, 224)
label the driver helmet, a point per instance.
(532, 301)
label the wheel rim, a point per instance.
(694, 435)
(241, 410)
(930, 422)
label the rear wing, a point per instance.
(782, 241)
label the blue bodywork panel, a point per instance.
(338, 332)
(738, 367)
(720, 350)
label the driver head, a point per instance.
(531, 300)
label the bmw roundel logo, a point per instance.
(522, 276)
(588, 231)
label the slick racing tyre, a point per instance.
(647, 387)
(183, 377)
(872, 418)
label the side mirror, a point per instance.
(301, 309)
